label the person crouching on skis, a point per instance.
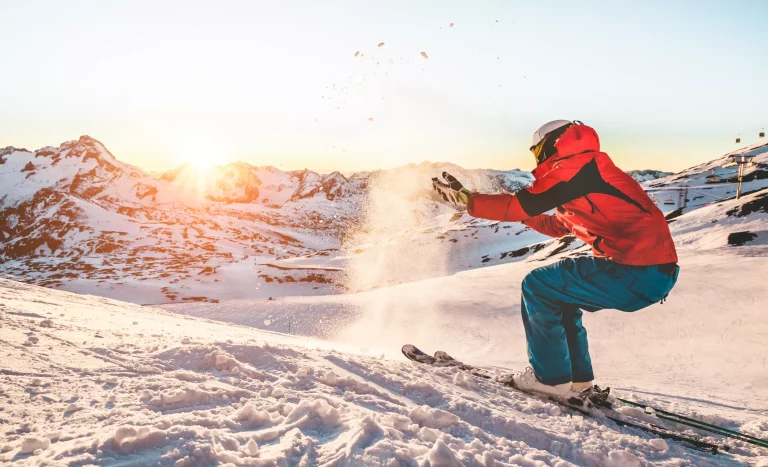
(634, 262)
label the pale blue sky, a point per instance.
(666, 84)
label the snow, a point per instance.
(647, 175)
(700, 192)
(475, 315)
(226, 393)
(32, 444)
(260, 369)
(432, 418)
(710, 227)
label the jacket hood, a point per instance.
(577, 139)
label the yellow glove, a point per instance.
(453, 191)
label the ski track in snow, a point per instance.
(89, 380)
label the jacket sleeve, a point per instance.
(503, 207)
(554, 189)
(547, 225)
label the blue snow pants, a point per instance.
(555, 296)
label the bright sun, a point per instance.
(201, 150)
(198, 156)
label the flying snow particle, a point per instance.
(370, 119)
(267, 322)
(381, 44)
(424, 54)
(450, 25)
(357, 53)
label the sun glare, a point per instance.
(201, 149)
(198, 156)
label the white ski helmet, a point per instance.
(546, 129)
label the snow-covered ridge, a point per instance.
(722, 167)
(714, 180)
(76, 215)
(647, 175)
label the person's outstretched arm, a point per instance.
(556, 188)
(507, 208)
(547, 225)
(526, 206)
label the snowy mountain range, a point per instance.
(646, 175)
(78, 218)
(76, 214)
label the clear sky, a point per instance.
(666, 84)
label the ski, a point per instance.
(698, 424)
(584, 405)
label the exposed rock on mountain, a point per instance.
(646, 175)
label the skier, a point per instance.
(634, 263)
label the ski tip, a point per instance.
(412, 352)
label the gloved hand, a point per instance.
(453, 191)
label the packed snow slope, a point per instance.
(88, 380)
(708, 341)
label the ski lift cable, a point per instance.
(711, 195)
(674, 188)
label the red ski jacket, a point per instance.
(593, 199)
